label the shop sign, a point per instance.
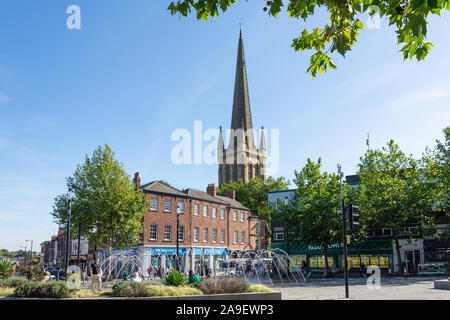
(330, 246)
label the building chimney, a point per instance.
(231, 194)
(137, 181)
(211, 189)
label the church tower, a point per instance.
(241, 159)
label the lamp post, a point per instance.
(79, 239)
(178, 238)
(69, 207)
(25, 262)
(31, 250)
(344, 231)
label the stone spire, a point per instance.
(242, 117)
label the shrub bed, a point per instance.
(134, 289)
(258, 288)
(12, 282)
(214, 286)
(32, 289)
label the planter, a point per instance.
(442, 284)
(230, 296)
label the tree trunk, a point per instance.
(325, 253)
(399, 257)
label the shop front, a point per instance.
(369, 252)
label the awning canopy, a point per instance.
(436, 244)
(366, 247)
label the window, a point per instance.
(214, 213)
(242, 217)
(153, 232)
(205, 210)
(279, 236)
(235, 216)
(180, 206)
(205, 234)
(167, 233)
(222, 236)
(227, 173)
(195, 209)
(181, 233)
(154, 204)
(196, 234)
(257, 228)
(214, 235)
(168, 205)
(257, 244)
(235, 237)
(242, 237)
(222, 214)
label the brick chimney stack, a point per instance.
(137, 181)
(231, 194)
(211, 189)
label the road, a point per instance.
(392, 288)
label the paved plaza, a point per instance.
(392, 288)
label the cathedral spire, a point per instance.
(242, 117)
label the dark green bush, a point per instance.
(175, 278)
(32, 289)
(33, 272)
(12, 282)
(129, 289)
(214, 286)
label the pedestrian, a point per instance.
(125, 275)
(193, 278)
(362, 270)
(96, 274)
(150, 273)
(84, 275)
(46, 277)
(333, 270)
(136, 278)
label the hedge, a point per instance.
(32, 289)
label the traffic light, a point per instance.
(353, 217)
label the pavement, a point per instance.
(391, 288)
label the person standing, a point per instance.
(96, 274)
(84, 275)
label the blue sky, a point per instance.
(133, 74)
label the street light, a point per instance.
(25, 254)
(344, 233)
(31, 250)
(69, 207)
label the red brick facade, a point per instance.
(207, 220)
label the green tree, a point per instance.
(410, 18)
(393, 192)
(317, 202)
(436, 168)
(254, 195)
(104, 195)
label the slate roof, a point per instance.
(160, 187)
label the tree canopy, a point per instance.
(105, 198)
(254, 194)
(409, 17)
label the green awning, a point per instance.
(366, 247)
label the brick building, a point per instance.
(210, 225)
